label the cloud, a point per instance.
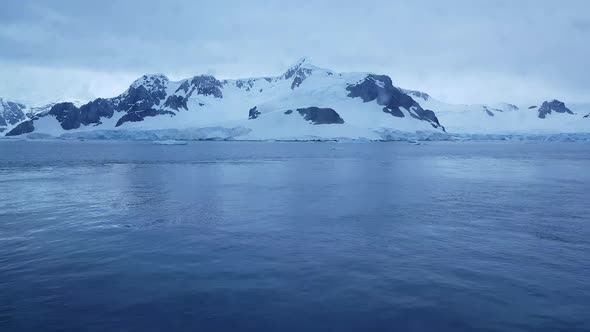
(458, 50)
(39, 85)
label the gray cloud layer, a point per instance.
(460, 51)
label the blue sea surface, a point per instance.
(250, 236)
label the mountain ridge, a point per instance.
(326, 105)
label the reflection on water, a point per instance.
(212, 236)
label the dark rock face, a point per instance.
(315, 115)
(430, 115)
(553, 106)
(253, 113)
(67, 114)
(185, 86)
(71, 117)
(293, 70)
(176, 102)
(23, 128)
(300, 75)
(381, 89)
(532, 107)
(320, 116)
(207, 85)
(139, 98)
(141, 115)
(247, 84)
(587, 115)
(94, 110)
(490, 113)
(11, 113)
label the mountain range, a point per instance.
(304, 103)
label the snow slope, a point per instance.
(546, 118)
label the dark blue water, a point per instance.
(103, 236)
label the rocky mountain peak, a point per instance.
(302, 63)
(151, 81)
(11, 112)
(553, 106)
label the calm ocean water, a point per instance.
(219, 236)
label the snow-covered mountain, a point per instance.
(305, 102)
(547, 117)
(11, 113)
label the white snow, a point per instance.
(506, 120)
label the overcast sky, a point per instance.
(459, 51)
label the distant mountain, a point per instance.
(549, 117)
(11, 113)
(305, 102)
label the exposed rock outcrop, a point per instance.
(320, 116)
(379, 88)
(553, 106)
